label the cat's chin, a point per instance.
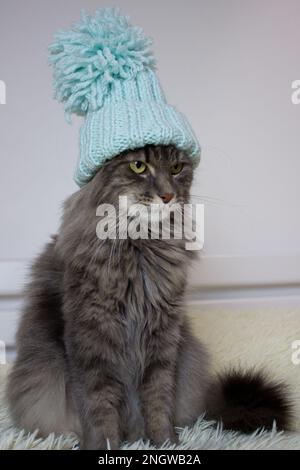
(156, 215)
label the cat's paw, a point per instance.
(164, 436)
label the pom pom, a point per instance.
(96, 52)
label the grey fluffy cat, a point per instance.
(104, 346)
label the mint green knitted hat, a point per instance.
(104, 69)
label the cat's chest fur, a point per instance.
(146, 286)
(146, 276)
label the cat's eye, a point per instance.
(138, 167)
(175, 169)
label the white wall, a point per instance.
(229, 66)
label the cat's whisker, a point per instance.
(214, 201)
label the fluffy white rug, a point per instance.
(203, 436)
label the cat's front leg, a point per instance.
(158, 385)
(94, 357)
(101, 422)
(98, 393)
(157, 394)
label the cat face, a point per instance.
(160, 175)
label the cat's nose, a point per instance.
(166, 197)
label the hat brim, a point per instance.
(114, 129)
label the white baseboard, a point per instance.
(13, 275)
(245, 271)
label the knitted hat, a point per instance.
(104, 69)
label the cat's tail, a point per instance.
(246, 401)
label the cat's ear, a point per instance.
(96, 52)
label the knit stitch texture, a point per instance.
(104, 69)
